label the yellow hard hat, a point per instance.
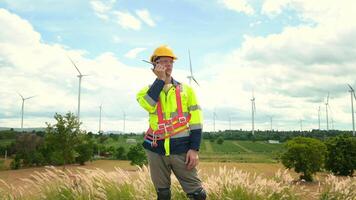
(163, 50)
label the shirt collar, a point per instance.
(174, 82)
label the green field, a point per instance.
(240, 151)
(229, 151)
(4, 142)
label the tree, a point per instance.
(341, 155)
(63, 137)
(305, 155)
(27, 148)
(16, 163)
(120, 153)
(220, 140)
(85, 150)
(137, 155)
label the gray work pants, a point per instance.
(161, 167)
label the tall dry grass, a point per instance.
(223, 183)
(339, 188)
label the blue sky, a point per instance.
(290, 53)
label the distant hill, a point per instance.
(25, 129)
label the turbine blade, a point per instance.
(352, 91)
(20, 95)
(350, 87)
(74, 65)
(195, 81)
(30, 97)
(327, 100)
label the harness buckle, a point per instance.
(168, 128)
(182, 119)
(161, 126)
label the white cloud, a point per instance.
(127, 20)
(116, 39)
(32, 67)
(134, 52)
(102, 8)
(273, 7)
(145, 16)
(10, 23)
(238, 6)
(291, 71)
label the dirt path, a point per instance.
(242, 147)
(208, 147)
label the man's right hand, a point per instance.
(160, 71)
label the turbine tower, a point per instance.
(80, 76)
(100, 107)
(253, 111)
(191, 76)
(326, 108)
(23, 108)
(352, 93)
(124, 115)
(214, 118)
(229, 122)
(271, 118)
(319, 117)
(301, 125)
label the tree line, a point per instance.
(61, 144)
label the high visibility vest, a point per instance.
(173, 116)
(170, 127)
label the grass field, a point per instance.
(261, 173)
(240, 151)
(229, 151)
(4, 142)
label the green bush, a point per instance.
(56, 158)
(137, 155)
(305, 155)
(2, 165)
(341, 155)
(220, 140)
(85, 151)
(16, 163)
(120, 153)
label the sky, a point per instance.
(289, 54)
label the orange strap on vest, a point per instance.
(169, 126)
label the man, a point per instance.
(173, 139)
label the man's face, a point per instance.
(168, 63)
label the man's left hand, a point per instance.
(191, 159)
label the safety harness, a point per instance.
(168, 127)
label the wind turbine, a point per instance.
(326, 108)
(191, 77)
(229, 122)
(80, 76)
(253, 111)
(23, 107)
(214, 118)
(352, 93)
(271, 118)
(319, 117)
(100, 107)
(301, 125)
(124, 115)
